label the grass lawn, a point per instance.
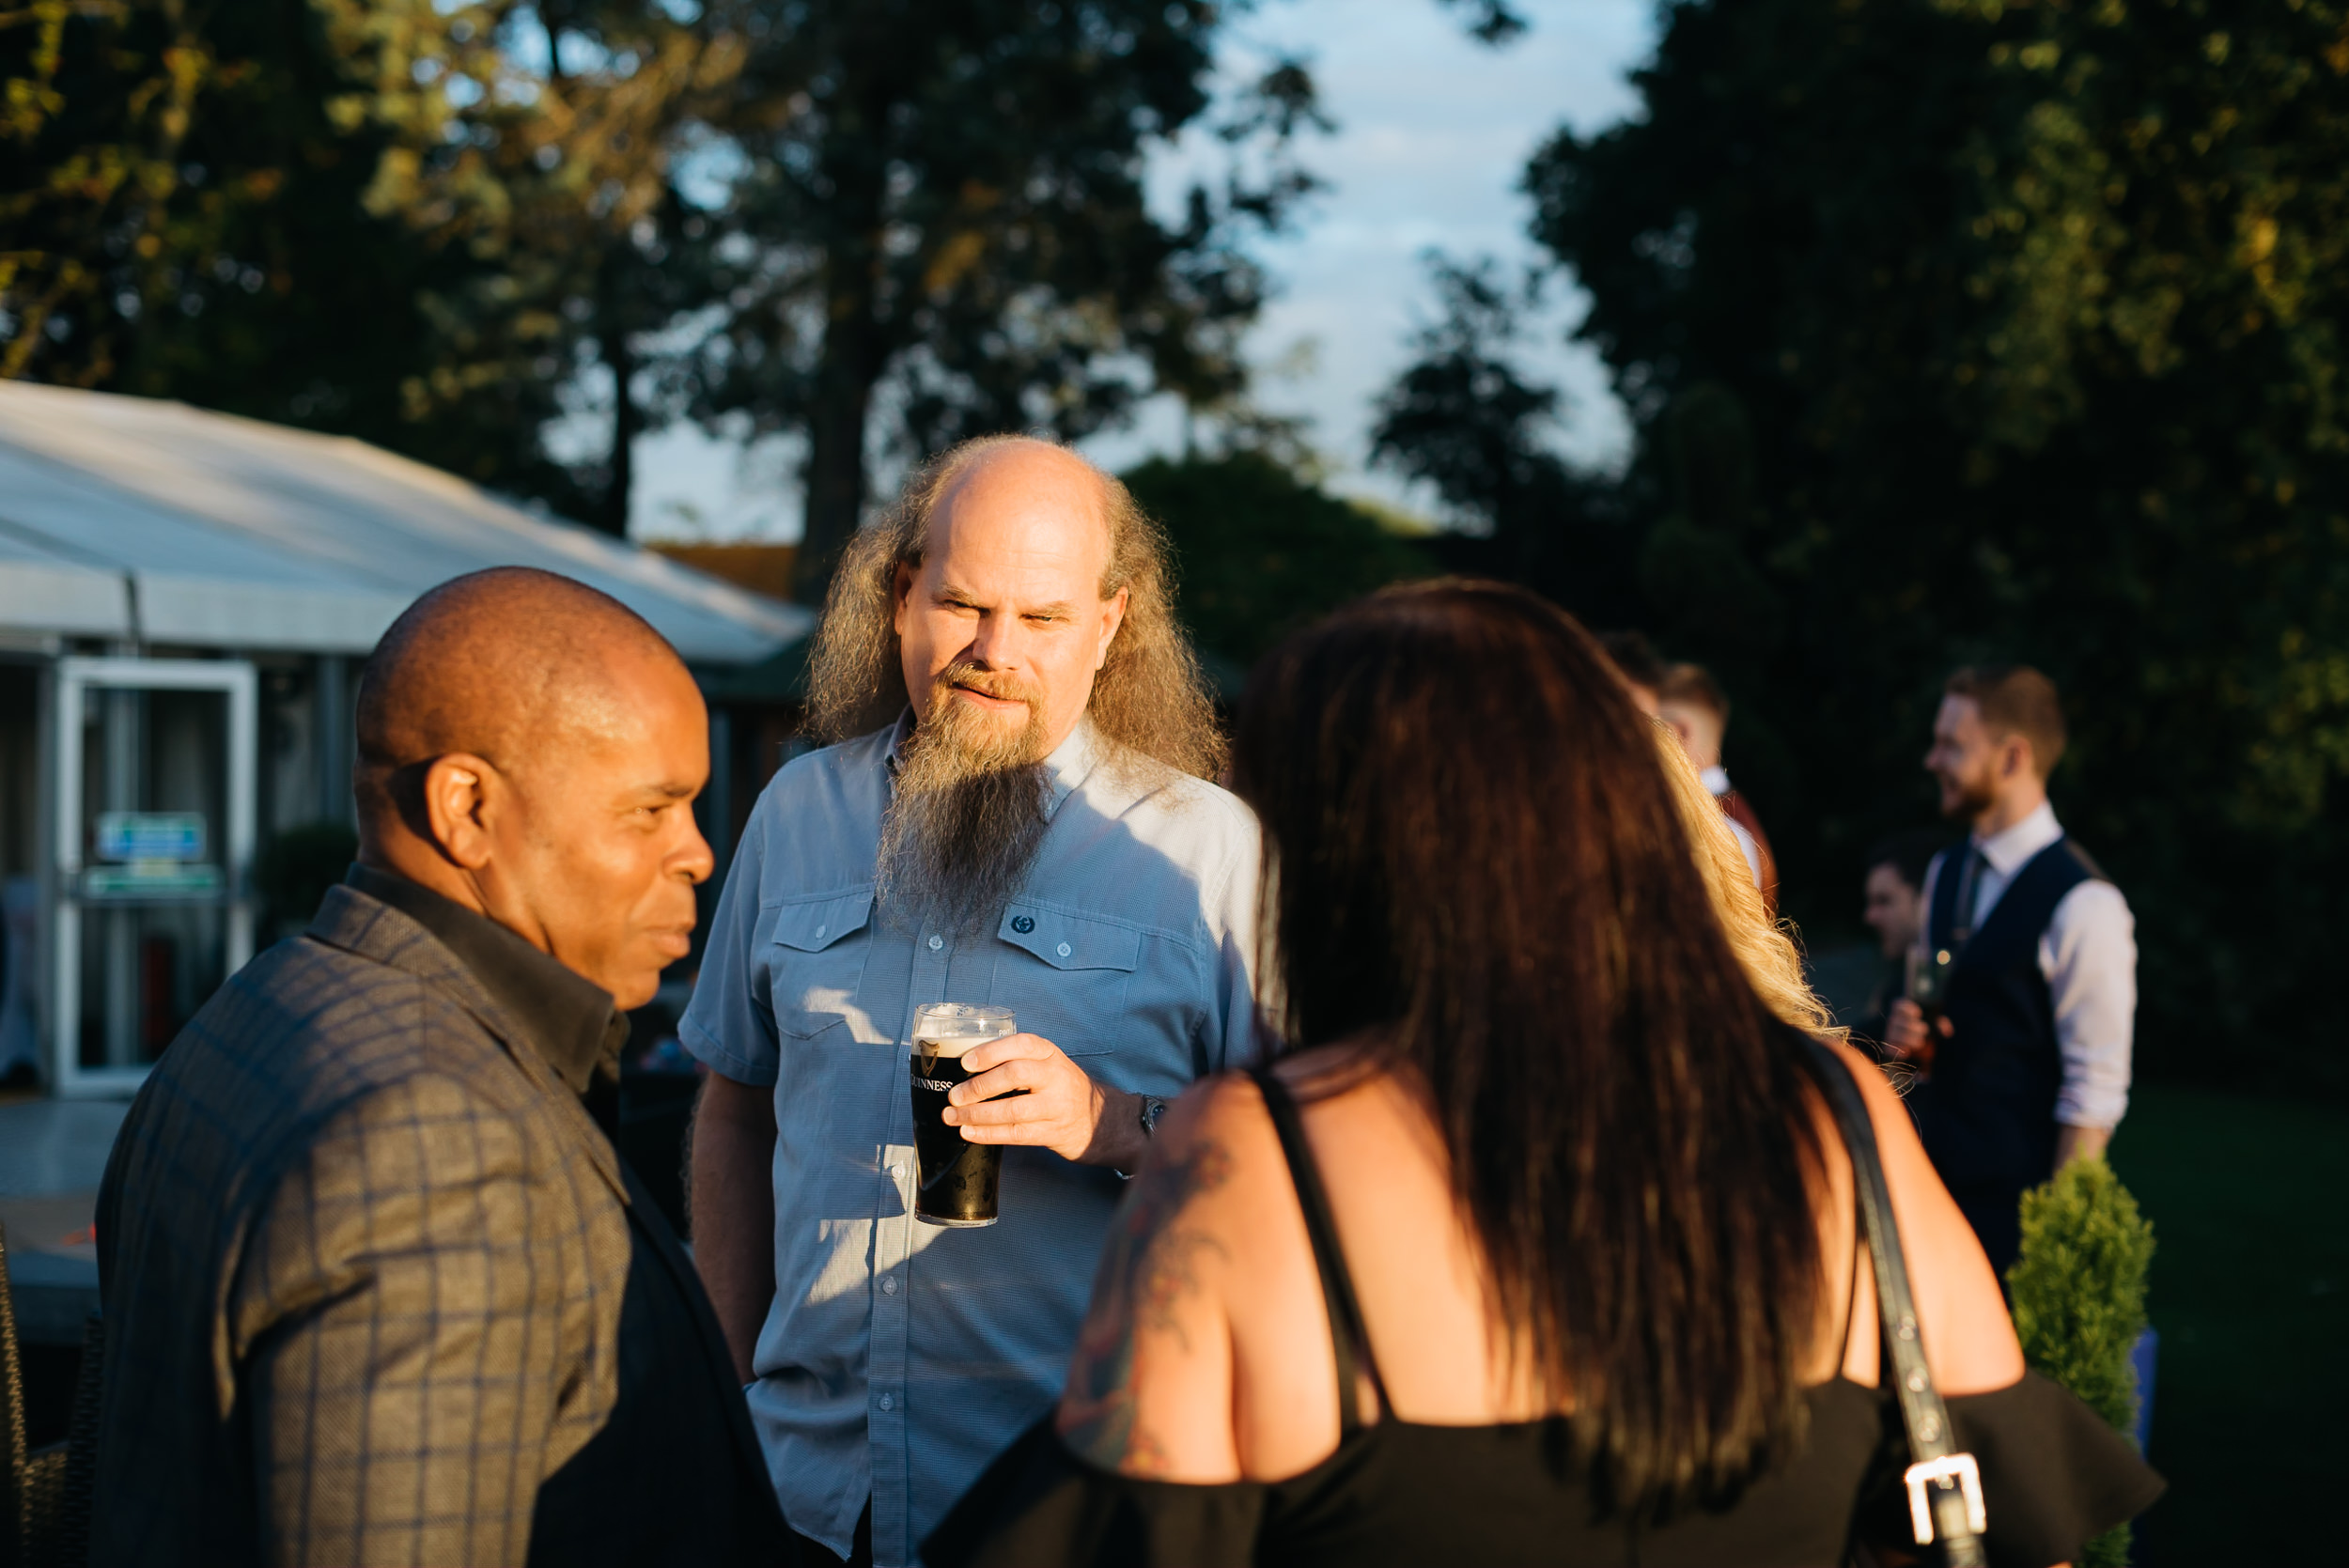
(2250, 1283)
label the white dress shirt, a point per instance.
(1715, 781)
(2089, 956)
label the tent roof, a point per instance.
(127, 517)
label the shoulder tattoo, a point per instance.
(1149, 1268)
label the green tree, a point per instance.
(97, 211)
(1260, 551)
(541, 142)
(410, 223)
(1463, 418)
(2035, 313)
(937, 226)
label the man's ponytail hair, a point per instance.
(2015, 699)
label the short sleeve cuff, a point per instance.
(707, 1049)
(2094, 1112)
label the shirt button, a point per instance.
(888, 1402)
(937, 942)
(898, 1169)
(889, 1284)
(1062, 950)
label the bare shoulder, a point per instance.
(1149, 1390)
(1969, 1339)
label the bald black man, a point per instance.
(376, 1287)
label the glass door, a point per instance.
(155, 803)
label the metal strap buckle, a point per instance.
(1959, 1467)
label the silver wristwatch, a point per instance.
(1152, 1109)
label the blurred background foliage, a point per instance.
(1261, 550)
(1949, 329)
(876, 224)
(1972, 329)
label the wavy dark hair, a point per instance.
(1475, 868)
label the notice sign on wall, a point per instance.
(151, 835)
(155, 855)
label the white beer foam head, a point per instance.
(949, 1029)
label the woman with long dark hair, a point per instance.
(1537, 1241)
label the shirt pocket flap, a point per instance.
(815, 926)
(1070, 941)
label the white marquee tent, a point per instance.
(184, 597)
(128, 518)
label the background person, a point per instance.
(1013, 812)
(1892, 905)
(1535, 1148)
(2031, 1069)
(1693, 707)
(1635, 658)
(377, 1289)
(1771, 961)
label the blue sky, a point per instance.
(1433, 131)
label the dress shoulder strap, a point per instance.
(1349, 1341)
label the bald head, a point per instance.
(507, 664)
(529, 748)
(1021, 475)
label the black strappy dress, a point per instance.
(1404, 1493)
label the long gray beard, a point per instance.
(961, 835)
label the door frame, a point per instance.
(240, 682)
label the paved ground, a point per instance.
(53, 1154)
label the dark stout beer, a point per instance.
(1929, 988)
(957, 1180)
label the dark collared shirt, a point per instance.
(571, 1020)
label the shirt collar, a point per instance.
(1067, 766)
(1715, 779)
(2010, 847)
(571, 1020)
(1071, 763)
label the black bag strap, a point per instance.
(1944, 1485)
(1348, 1340)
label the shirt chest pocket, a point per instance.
(1066, 976)
(816, 969)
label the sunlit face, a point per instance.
(1004, 615)
(1894, 910)
(1964, 759)
(601, 854)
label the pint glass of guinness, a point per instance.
(958, 1178)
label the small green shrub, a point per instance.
(2079, 1289)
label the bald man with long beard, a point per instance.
(1016, 811)
(377, 1288)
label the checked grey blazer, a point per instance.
(361, 1254)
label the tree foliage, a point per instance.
(371, 216)
(876, 224)
(1260, 551)
(939, 228)
(2031, 316)
(1463, 418)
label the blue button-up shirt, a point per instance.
(898, 1357)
